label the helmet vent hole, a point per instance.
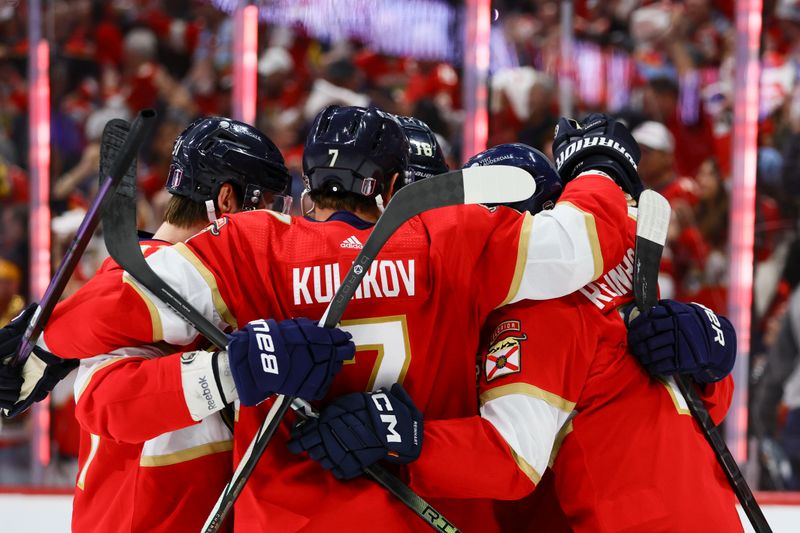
(226, 136)
(378, 136)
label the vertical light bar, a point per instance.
(742, 223)
(566, 71)
(245, 60)
(39, 217)
(477, 35)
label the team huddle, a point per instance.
(490, 357)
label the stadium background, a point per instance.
(710, 87)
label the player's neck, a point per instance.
(325, 214)
(173, 234)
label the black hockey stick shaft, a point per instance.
(649, 247)
(139, 131)
(724, 457)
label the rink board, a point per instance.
(41, 512)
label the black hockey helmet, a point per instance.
(548, 182)
(426, 158)
(354, 149)
(217, 150)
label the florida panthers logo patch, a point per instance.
(505, 354)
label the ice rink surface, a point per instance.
(51, 514)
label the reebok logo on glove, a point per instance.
(389, 419)
(719, 338)
(269, 362)
(206, 391)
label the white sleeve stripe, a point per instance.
(208, 437)
(89, 367)
(529, 426)
(183, 275)
(526, 389)
(563, 254)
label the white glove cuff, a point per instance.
(205, 389)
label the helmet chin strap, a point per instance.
(379, 202)
(211, 211)
(303, 197)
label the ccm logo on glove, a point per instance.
(269, 362)
(389, 420)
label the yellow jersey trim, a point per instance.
(560, 436)
(527, 389)
(526, 467)
(95, 443)
(186, 455)
(155, 318)
(216, 297)
(522, 255)
(594, 240)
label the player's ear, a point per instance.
(226, 200)
(389, 192)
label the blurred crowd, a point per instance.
(665, 67)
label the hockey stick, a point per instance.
(651, 234)
(139, 131)
(459, 187)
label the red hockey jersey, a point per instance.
(138, 476)
(415, 320)
(559, 386)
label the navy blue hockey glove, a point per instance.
(598, 142)
(21, 386)
(678, 338)
(292, 357)
(359, 429)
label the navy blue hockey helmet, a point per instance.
(217, 150)
(353, 149)
(425, 157)
(548, 182)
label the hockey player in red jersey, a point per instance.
(136, 476)
(558, 387)
(432, 272)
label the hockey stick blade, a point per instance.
(476, 185)
(139, 131)
(651, 234)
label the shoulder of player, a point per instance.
(548, 318)
(463, 217)
(593, 183)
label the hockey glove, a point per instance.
(359, 429)
(601, 143)
(21, 386)
(292, 357)
(678, 338)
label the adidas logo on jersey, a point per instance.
(352, 242)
